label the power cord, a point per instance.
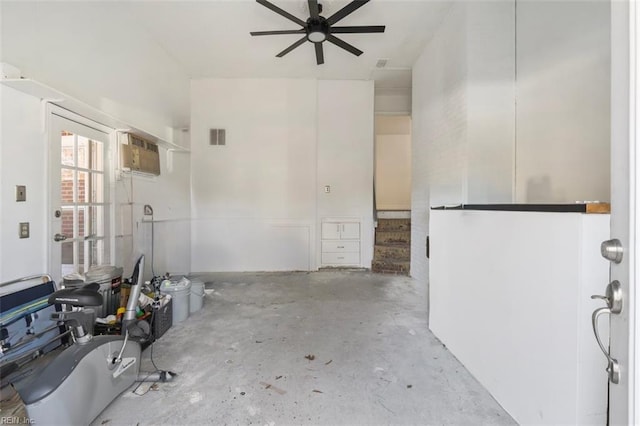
(152, 338)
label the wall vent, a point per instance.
(217, 137)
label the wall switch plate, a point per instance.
(24, 230)
(327, 189)
(21, 193)
(148, 210)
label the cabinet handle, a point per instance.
(340, 246)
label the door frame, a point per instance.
(52, 111)
(624, 398)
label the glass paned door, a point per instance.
(79, 197)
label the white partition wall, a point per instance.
(510, 298)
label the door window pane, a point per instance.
(66, 186)
(68, 149)
(97, 156)
(83, 152)
(83, 187)
(83, 226)
(97, 188)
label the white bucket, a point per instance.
(197, 295)
(179, 291)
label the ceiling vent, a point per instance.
(381, 63)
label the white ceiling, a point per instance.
(211, 38)
(140, 55)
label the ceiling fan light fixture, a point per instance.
(316, 36)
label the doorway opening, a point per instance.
(392, 182)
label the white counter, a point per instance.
(510, 297)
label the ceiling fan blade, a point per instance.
(351, 7)
(281, 12)
(261, 33)
(343, 44)
(314, 10)
(361, 29)
(319, 54)
(293, 46)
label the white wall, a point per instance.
(438, 114)
(257, 201)
(254, 199)
(99, 53)
(169, 195)
(345, 156)
(395, 101)
(490, 94)
(563, 122)
(463, 114)
(23, 162)
(495, 126)
(393, 162)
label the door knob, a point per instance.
(59, 237)
(612, 250)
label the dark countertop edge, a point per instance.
(551, 208)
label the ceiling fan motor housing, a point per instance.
(317, 29)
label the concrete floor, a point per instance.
(326, 348)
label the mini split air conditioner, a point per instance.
(140, 155)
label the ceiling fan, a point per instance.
(317, 29)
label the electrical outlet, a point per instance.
(21, 193)
(148, 210)
(24, 230)
(327, 189)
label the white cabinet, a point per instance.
(340, 243)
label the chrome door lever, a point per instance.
(59, 237)
(613, 297)
(614, 306)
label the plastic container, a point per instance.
(197, 295)
(180, 290)
(110, 280)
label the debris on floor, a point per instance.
(317, 391)
(273, 388)
(310, 357)
(328, 362)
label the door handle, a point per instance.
(59, 237)
(613, 299)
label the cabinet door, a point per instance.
(350, 231)
(331, 230)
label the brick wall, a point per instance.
(463, 114)
(66, 191)
(439, 129)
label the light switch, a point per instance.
(24, 229)
(21, 193)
